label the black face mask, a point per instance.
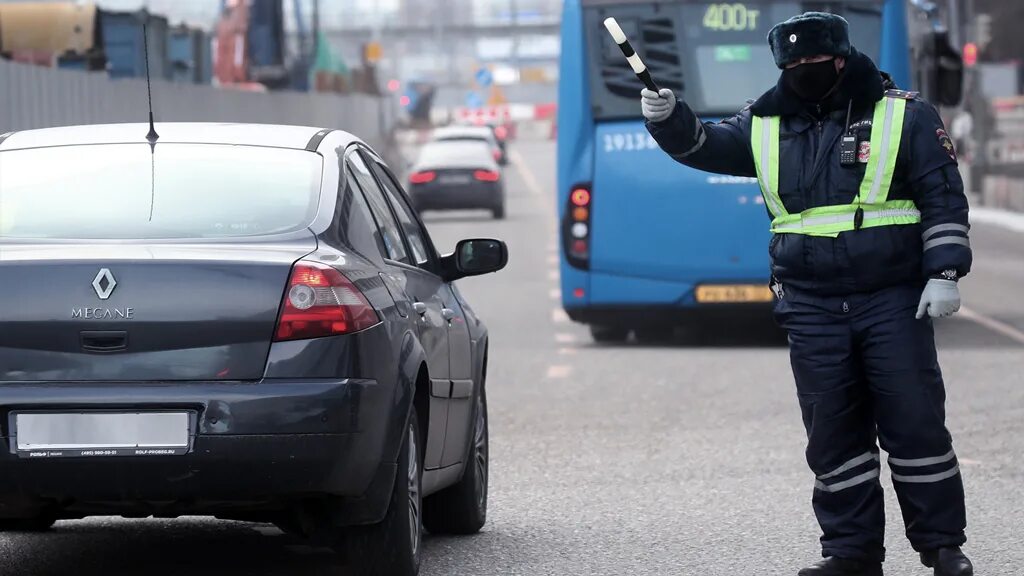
(811, 82)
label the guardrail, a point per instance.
(39, 97)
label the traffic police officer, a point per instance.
(870, 236)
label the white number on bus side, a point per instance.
(629, 142)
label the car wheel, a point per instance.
(499, 212)
(35, 524)
(462, 508)
(608, 334)
(392, 547)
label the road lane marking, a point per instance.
(968, 461)
(558, 316)
(553, 259)
(555, 293)
(553, 275)
(567, 351)
(564, 338)
(559, 371)
(993, 325)
(531, 181)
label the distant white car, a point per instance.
(478, 133)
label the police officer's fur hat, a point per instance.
(809, 34)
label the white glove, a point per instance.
(657, 106)
(941, 298)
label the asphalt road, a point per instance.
(681, 460)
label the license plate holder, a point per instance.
(91, 434)
(455, 180)
(733, 294)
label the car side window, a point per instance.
(355, 218)
(418, 239)
(391, 234)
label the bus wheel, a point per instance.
(608, 334)
(655, 334)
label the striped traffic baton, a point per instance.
(627, 49)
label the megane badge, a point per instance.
(104, 284)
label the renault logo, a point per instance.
(104, 284)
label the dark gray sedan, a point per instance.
(457, 175)
(243, 321)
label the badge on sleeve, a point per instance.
(947, 143)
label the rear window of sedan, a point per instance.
(467, 134)
(455, 152)
(125, 191)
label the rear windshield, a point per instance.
(715, 54)
(125, 191)
(455, 151)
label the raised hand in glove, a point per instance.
(941, 298)
(657, 106)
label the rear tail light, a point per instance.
(320, 302)
(486, 176)
(576, 227)
(422, 177)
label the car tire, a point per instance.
(462, 508)
(40, 523)
(608, 334)
(499, 213)
(393, 546)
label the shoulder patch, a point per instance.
(901, 94)
(947, 143)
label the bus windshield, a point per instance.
(715, 55)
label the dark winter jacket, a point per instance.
(810, 175)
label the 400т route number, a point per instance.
(731, 18)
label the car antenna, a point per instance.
(152, 137)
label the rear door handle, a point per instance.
(420, 308)
(448, 314)
(104, 341)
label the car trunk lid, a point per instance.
(142, 312)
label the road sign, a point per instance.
(473, 100)
(373, 52)
(484, 77)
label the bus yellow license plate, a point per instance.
(733, 293)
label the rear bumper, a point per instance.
(475, 195)
(256, 446)
(639, 315)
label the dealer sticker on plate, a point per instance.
(98, 434)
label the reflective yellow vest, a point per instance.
(870, 208)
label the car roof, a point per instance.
(476, 131)
(455, 154)
(236, 134)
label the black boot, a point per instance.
(843, 567)
(948, 562)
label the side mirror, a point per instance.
(476, 257)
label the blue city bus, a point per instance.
(647, 244)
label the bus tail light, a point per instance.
(576, 226)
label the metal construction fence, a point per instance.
(39, 97)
